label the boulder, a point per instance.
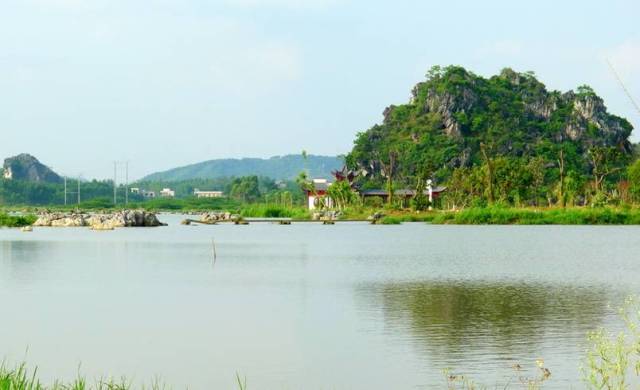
(61, 220)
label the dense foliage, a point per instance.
(16, 220)
(22, 192)
(99, 194)
(500, 139)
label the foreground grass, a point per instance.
(22, 378)
(16, 220)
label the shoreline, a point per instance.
(570, 216)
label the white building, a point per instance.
(207, 194)
(167, 193)
(318, 198)
(135, 190)
(7, 174)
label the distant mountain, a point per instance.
(279, 167)
(26, 167)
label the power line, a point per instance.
(116, 165)
(624, 88)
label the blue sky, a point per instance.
(163, 83)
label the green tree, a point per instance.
(633, 174)
(341, 194)
(246, 189)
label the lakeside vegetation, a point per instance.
(7, 220)
(494, 215)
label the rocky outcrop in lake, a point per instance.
(100, 221)
(215, 216)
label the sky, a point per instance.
(164, 83)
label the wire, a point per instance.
(624, 88)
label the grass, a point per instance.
(259, 210)
(400, 218)
(21, 378)
(16, 221)
(521, 216)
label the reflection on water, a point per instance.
(459, 324)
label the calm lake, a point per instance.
(307, 306)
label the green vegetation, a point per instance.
(99, 194)
(558, 216)
(612, 360)
(504, 139)
(16, 221)
(273, 211)
(277, 168)
(31, 193)
(407, 217)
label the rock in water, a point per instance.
(125, 218)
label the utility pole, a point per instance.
(126, 182)
(115, 176)
(65, 190)
(78, 190)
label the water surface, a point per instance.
(349, 306)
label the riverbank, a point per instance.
(470, 216)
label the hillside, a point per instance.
(279, 167)
(25, 167)
(505, 137)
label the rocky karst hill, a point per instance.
(459, 119)
(26, 167)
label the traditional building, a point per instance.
(318, 191)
